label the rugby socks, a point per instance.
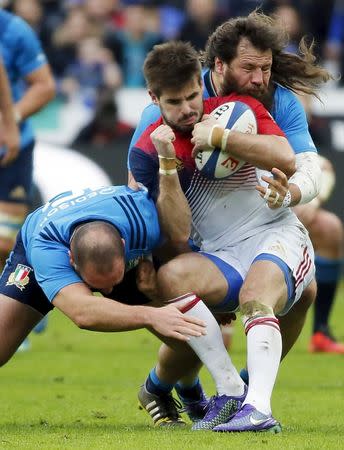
(327, 275)
(190, 393)
(264, 348)
(210, 348)
(155, 386)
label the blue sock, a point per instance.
(328, 273)
(244, 375)
(155, 386)
(191, 392)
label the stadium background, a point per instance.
(96, 49)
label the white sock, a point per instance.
(264, 348)
(211, 350)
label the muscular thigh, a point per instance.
(279, 265)
(16, 322)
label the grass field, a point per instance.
(77, 390)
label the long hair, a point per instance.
(299, 73)
(170, 66)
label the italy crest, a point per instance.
(20, 277)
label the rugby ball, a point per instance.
(215, 164)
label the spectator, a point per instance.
(93, 69)
(131, 44)
(201, 21)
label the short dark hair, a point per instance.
(299, 73)
(170, 66)
(98, 243)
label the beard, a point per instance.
(262, 94)
(176, 126)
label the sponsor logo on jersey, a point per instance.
(20, 277)
(133, 262)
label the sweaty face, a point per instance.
(182, 108)
(248, 73)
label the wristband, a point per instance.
(287, 200)
(167, 163)
(215, 137)
(224, 139)
(166, 157)
(167, 172)
(17, 116)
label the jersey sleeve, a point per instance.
(52, 267)
(150, 114)
(291, 117)
(145, 170)
(265, 122)
(29, 53)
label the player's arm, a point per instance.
(102, 314)
(150, 114)
(9, 134)
(31, 64)
(265, 150)
(173, 208)
(40, 90)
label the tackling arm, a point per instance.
(102, 314)
(262, 151)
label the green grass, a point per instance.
(77, 390)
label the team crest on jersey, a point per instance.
(20, 277)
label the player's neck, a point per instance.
(216, 82)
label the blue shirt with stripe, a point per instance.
(287, 111)
(47, 231)
(22, 54)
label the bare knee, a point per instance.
(327, 234)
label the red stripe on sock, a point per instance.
(270, 321)
(190, 305)
(182, 297)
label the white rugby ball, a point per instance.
(215, 164)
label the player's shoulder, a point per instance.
(144, 141)
(16, 29)
(284, 97)
(15, 22)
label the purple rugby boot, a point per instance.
(248, 418)
(220, 409)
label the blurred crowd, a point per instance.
(96, 46)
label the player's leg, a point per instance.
(326, 232)
(16, 322)
(291, 324)
(12, 215)
(274, 282)
(22, 301)
(264, 290)
(198, 274)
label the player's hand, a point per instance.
(201, 134)
(146, 279)
(162, 138)
(169, 321)
(10, 140)
(276, 190)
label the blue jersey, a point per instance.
(47, 231)
(22, 54)
(287, 112)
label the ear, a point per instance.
(154, 98)
(71, 259)
(123, 242)
(219, 66)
